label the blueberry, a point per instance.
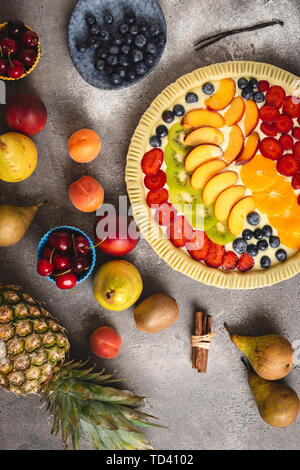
(134, 29)
(99, 65)
(247, 234)
(281, 255)
(248, 94)
(104, 35)
(140, 41)
(267, 231)
(115, 79)
(108, 18)
(109, 70)
(168, 116)
(161, 39)
(130, 17)
(208, 88)
(128, 39)
(265, 262)
(90, 20)
(259, 97)
(155, 30)
(121, 71)
(93, 42)
(252, 250)
(155, 141)
(95, 30)
(123, 28)
(151, 49)
(81, 46)
(240, 245)
(124, 60)
(130, 75)
(162, 131)
(125, 49)
(253, 218)
(243, 83)
(143, 27)
(253, 83)
(191, 98)
(149, 60)
(262, 245)
(112, 60)
(141, 68)
(258, 234)
(136, 56)
(116, 39)
(101, 52)
(114, 50)
(178, 110)
(274, 242)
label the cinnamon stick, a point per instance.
(203, 324)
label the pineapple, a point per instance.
(33, 349)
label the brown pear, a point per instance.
(14, 223)
(271, 356)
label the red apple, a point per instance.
(26, 113)
(120, 232)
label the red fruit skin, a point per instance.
(81, 245)
(199, 246)
(296, 181)
(15, 69)
(61, 241)
(275, 96)
(156, 198)
(269, 129)
(155, 182)
(8, 45)
(3, 66)
(296, 150)
(66, 281)
(27, 57)
(286, 141)
(180, 232)
(292, 106)
(121, 232)
(298, 199)
(26, 113)
(44, 267)
(215, 255)
(245, 263)
(29, 39)
(230, 261)
(263, 86)
(105, 342)
(269, 114)
(296, 133)
(165, 214)
(271, 148)
(47, 252)
(61, 262)
(288, 165)
(284, 124)
(152, 161)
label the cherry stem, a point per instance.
(95, 246)
(51, 256)
(9, 60)
(1, 53)
(73, 241)
(61, 274)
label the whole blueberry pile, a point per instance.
(124, 51)
(250, 90)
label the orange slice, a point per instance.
(289, 221)
(259, 174)
(290, 240)
(275, 200)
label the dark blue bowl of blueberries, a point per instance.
(114, 44)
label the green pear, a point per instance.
(277, 403)
(271, 356)
(14, 223)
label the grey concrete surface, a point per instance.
(212, 411)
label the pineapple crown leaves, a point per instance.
(81, 402)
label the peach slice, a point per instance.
(250, 149)
(223, 96)
(201, 154)
(206, 171)
(226, 200)
(217, 184)
(202, 117)
(251, 117)
(235, 145)
(235, 112)
(204, 135)
(239, 213)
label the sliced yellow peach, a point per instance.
(238, 214)
(251, 117)
(250, 149)
(202, 117)
(204, 135)
(235, 145)
(217, 184)
(223, 96)
(201, 154)
(206, 171)
(235, 112)
(226, 200)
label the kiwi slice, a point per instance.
(172, 158)
(220, 234)
(178, 178)
(189, 202)
(209, 217)
(176, 139)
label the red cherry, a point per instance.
(81, 244)
(27, 56)
(47, 252)
(8, 46)
(66, 281)
(3, 66)
(15, 69)
(29, 39)
(79, 264)
(45, 268)
(61, 262)
(15, 29)
(62, 241)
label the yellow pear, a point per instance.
(271, 356)
(18, 157)
(14, 223)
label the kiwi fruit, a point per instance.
(172, 158)
(209, 217)
(220, 234)
(176, 139)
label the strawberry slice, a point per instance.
(296, 181)
(152, 161)
(269, 114)
(263, 85)
(296, 133)
(291, 106)
(165, 214)
(156, 198)
(287, 141)
(298, 199)
(230, 261)
(155, 182)
(288, 165)
(275, 96)
(180, 232)
(284, 124)
(245, 263)
(215, 256)
(199, 246)
(271, 148)
(296, 150)
(269, 129)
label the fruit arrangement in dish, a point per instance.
(221, 173)
(19, 50)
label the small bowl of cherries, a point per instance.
(66, 256)
(20, 50)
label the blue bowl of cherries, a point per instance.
(115, 45)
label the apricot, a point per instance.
(84, 146)
(105, 342)
(86, 194)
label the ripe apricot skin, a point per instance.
(84, 146)
(105, 342)
(86, 194)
